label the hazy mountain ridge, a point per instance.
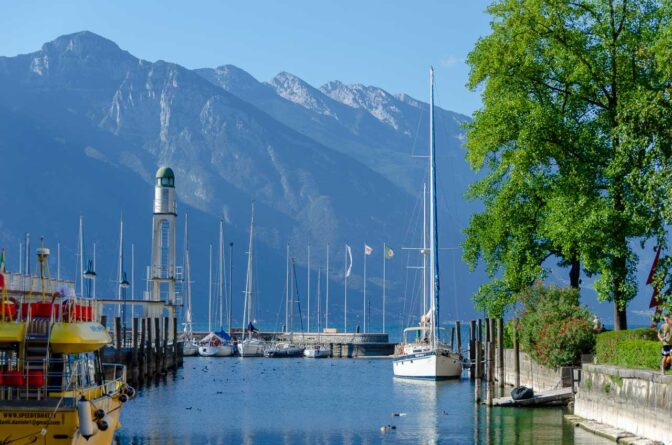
(83, 99)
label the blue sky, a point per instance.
(375, 42)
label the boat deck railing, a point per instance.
(39, 379)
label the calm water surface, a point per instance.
(329, 401)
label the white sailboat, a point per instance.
(288, 348)
(216, 344)
(250, 345)
(189, 345)
(423, 354)
(318, 350)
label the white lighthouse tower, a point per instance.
(163, 270)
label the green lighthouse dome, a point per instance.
(165, 177)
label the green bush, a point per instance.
(553, 328)
(635, 348)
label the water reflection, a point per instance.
(261, 401)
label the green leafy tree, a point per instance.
(573, 166)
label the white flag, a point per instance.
(349, 251)
(368, 250)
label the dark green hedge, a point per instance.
(635, 348)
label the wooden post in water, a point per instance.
(486, 329)
(177, 347)
(459, 337)
(103, 321)
(472, 349)
(134, 351)
(143, 349)
(150, 348)
(479, 375)
(500, 351)
(164, 355)
(516, 353)
(479, 331)
(452, 338)
(157, 345)
(491, 369)
(117, 335)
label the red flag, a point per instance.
(2, 280)
(654, 298)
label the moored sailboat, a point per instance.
(250, 345)
(189, 345)
(426, 355)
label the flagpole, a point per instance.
(365, 255)
(384, 282)
(345, 309)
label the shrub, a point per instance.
(635, 348)
(553, 328)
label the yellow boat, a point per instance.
(54, 388)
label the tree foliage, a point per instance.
(574, 134)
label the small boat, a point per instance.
(317, 351)
(54, 387)
(213, 345)
(423, 352)
(284, 349)
(250, 345)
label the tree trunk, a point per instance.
(575, 273)
(620, 272)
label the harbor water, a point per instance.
(215, 401)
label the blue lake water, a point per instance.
(331, 401)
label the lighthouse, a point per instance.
(162, 270)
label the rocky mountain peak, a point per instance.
(381, 104)
(294, 89)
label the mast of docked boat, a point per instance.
(326, 302)
(247, 307)
(210, 291)
(424, 249)
(308, 279)
(120, 259)
(319, 331)
(187, 314)
(434, 260)
(287, 290)
(220, 286)
(132, 277)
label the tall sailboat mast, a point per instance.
(308, 286)
(247, 310)
(424, 249)
(210, 291)
(287, 290)
(434, 237)
(220, 287)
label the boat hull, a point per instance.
(24, 424)
(189, 350)
(428, 365)
(313, 352)
(216, 351)
(251, 348)
(286, 351)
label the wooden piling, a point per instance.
(491, 377)
(149, 356)
(143, 349)
(103, 321)
(458, 337)
(500, 352)
(472, 349)
(164, 353)
(157, 345)
(452, 338)
(479, 375)
(133, 368)
(117, 335)
(479, 331)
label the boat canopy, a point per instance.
(70, 338)
(224, 335)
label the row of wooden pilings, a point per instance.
(486, 357)
(148, 350)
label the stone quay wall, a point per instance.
(635, 400)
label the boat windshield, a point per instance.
(420, 334)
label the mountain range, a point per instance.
(84, 125)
